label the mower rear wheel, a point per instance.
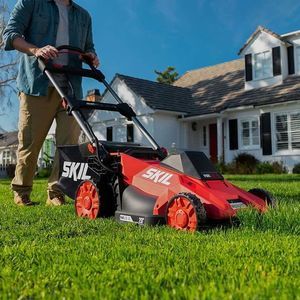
(87, 202)
(185, 211)
(264, 195)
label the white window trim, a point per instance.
(274, 140)
(240, 133)
(296, 62)
(6, 157)
(253, 66)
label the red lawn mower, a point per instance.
(139, 184)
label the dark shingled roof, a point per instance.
(221, 87)
(211, 90)
(160, 96)
(9, 139)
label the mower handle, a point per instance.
(77, 50)
(71, 48)
(95, 74)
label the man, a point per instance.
(35, 28)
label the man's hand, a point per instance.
(47, 52)
(93, 58)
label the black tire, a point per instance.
(197, 206)
(102, 199)
(109, 201)
(264, 195)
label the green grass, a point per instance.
(49, 253)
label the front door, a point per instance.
(213, 143)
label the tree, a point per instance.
(167, 76)
(8, 62)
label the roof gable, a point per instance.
(256, 33)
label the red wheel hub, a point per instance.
(182, 218)
(87, 202)
(181, 214)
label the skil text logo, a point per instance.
(158, 176)
(75, 170)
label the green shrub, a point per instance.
(264, 168)
(44, 173)
(221, 167)
(271, 168)
(296, 169)
(279, 167)
(245, 163)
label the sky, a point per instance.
(136, 37)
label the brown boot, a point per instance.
(56, 201)
(22, 200)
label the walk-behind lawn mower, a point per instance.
(139, 184)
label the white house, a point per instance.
(8, 148)
(251, 104)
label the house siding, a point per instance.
(288, 158)
(167, 130)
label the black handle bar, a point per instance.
(71, 48)
(78, 51)
(56, 68)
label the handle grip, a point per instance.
(76, 50)
(71, 48)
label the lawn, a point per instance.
(50, 253)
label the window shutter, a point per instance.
(109, 134)
(291, 61)
(130, 133)
(266, 134)
(248, 67)
(233, 134)
(276, 61)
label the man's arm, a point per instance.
(89, 46)
(19, 21)
(47, 52)
(14, 32)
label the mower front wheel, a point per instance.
(264, 195)
(185, 211)
(87, 202)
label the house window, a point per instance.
(109, 133)
(204, 136)
(263, 65)
(287, 131)
(249, 133)
(130, 133)
(6, 157)
(298, 59)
